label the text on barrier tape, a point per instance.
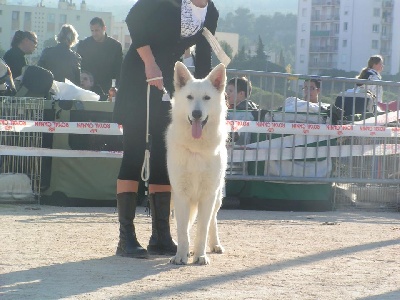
(357, 129)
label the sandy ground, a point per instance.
(68, 253)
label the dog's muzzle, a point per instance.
(204, 122)
(197, 123)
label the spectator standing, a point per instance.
(23, 43)
(171, 27)
(101, 55)
(61, 60)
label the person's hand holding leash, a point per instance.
(154, 76)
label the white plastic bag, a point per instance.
(69, 91)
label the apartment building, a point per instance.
(46, 21)
(343, 34)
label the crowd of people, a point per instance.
(98, 57)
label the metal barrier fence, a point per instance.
(354, 149)
(346, 139)
(20, 175)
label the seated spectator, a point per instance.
(311, 90)
(23, 43)
(87, 83)
(61, 60)
(238, 90)
(373, 72)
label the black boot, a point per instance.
(161, 241)
(128, 244)
(154, 235)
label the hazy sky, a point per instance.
(269, 6)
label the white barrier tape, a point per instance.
(313, 129)
(239, 155)
(42, 152)
(322, 152)
(358, 129)
(60, 127)
(288, 141)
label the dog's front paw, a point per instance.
(217, 249)
(201, 260)
(179, 259)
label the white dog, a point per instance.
(197, 159)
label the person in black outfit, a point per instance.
(63, 62)
(175, 25)
(23, 43)
(101, 55)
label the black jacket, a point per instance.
(102, 60)
(15, 59)
(162, 33)
(62, 62)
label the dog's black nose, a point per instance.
(197, 114)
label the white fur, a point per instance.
(196, 166)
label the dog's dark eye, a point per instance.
(190, 97)
(206, 97)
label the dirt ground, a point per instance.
(68, 253)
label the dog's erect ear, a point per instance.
(218, 77)
(181, 76)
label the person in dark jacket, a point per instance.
(63, 62)
(23, 43)
(175, 25)
(101, 55)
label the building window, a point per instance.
(15, 20)
(302, 43)
(344, 58)
(304, 12)
(301, 58)
(344, 43)
(51, 23)
(375, 44)
(375, 28)
(377, 12)
(28, 21)
(383, 30)
(345, 26)
(63, 20)
(303, 27)
(337, 27)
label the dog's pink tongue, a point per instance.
(196, 129)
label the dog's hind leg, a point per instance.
(213, 237)
(182, 216)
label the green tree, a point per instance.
(239, 61)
